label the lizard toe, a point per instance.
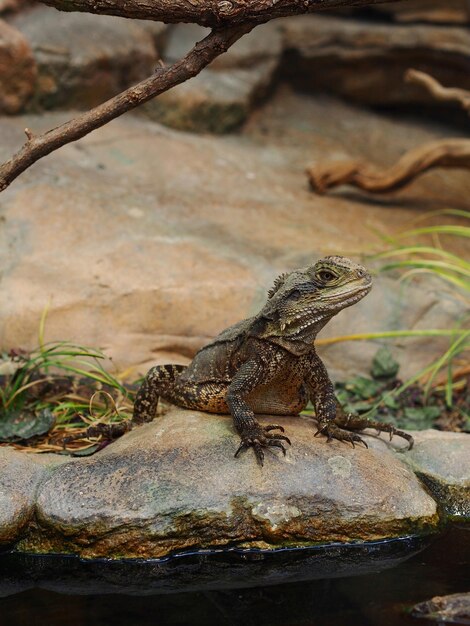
(277, 444)
(277, 437)
(274, 427)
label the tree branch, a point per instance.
(212, 13)
(442, 153)
(217, 42)
(443, 94)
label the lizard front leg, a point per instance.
(253, 435)
(322, 395)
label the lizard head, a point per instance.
(302, 301)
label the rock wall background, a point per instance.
(77, 60)
(147, 240)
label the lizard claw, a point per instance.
(258, 437)
(392, 431)
(274, 427)
(333, 432)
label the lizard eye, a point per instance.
(325, 275)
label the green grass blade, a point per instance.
(412, 250)
(392, 334)
(455, 348)
(453, 280)
(444, 229)
(441, 268)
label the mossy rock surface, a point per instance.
(442, 462)
(174, 485)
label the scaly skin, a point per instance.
(267, 364)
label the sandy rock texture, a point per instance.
(20, 476)
(450, 12)
(148, 242)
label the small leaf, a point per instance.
(420, 418)
(358, 407)
(390, 402)
(18, 425)
(342, 395)
(363, 387)
(384, 365)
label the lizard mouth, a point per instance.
(326, 306)
(356, 290)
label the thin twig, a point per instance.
(38, 146)
(449, 153)
(443, 94)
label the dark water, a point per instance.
(59, 591)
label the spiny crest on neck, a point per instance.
(279, 281)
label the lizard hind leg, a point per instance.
(159, 381)
(158, 378)
(356, 422)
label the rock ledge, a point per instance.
(174, 485)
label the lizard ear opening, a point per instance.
(280, 280)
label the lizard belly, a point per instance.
(278, 397)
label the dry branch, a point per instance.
(440, 93)
(450, 153)
(201, 55)
(212, 13)
(453, 153)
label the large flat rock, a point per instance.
(175, 485)
(147, 242)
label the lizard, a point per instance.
(267, 364)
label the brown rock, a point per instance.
(220, 98)
(213, 101)
(84, 59)
(442, 461)
(451, 609)
(264, 43)
(17, 70)
(174, 485)
(7, 7)
(449, 12)
(366, 64)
